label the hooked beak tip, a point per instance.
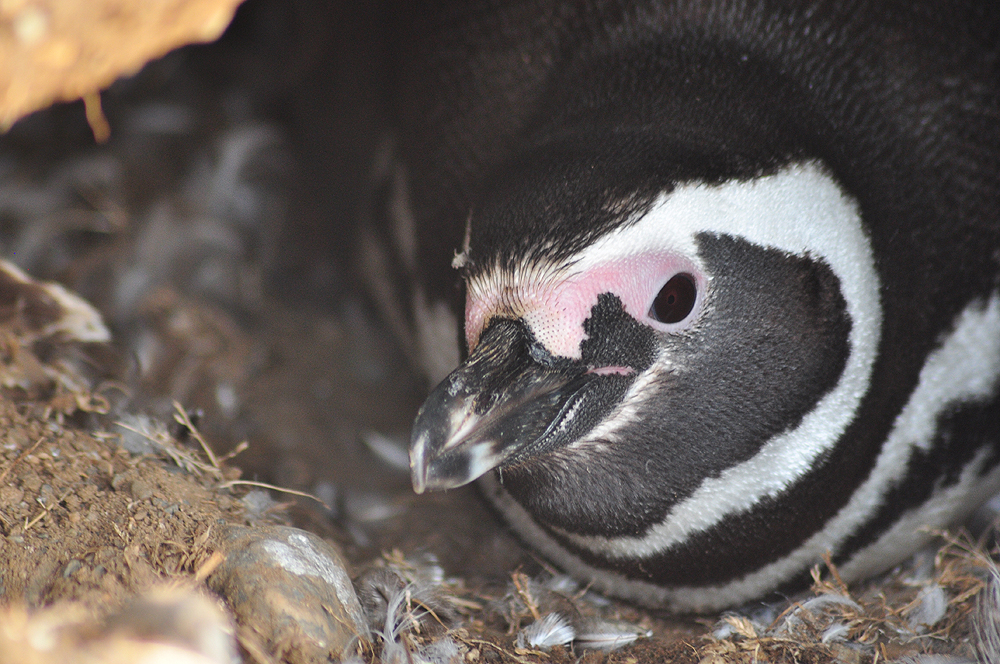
(494, 409)
(418, 464)
(451, 466)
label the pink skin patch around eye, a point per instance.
(555, 305)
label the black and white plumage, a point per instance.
(730, 271)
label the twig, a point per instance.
(522, 584)
(497, 648)
(209, 566)
(20, 456)
(46, 509)
(828, 560)
(120, 533)
(427, 609)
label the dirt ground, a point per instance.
(208, 231)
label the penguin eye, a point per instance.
(675, 300)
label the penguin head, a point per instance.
(731, 289)
(641, 319)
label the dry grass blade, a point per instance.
(163, 442)
(240, 448)
(181, 417)
(272, 487)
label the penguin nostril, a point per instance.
(675, 300)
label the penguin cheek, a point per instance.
(554, 313)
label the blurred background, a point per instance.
(213, 229)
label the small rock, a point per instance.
(71, 568)
(121, 480)
(291, 588)
(141, 489)
(10, 495)
(39, 581)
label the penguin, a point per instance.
(710, 289)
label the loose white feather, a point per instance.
(552, 630)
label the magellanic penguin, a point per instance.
(724, 276)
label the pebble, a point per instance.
(141, 490)
(292, 588)
(71, 567)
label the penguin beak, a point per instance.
(503, 405)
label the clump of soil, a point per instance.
(83, 519)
